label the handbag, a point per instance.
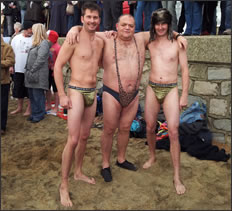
(70, 9)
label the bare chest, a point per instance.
(166, 53)
(87, 51)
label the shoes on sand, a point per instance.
(127, 165)
(106, 174)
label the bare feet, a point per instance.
(64, 196)
(16, 111)
(149, 163)
(84, 178)
(180, 188)
(27, 113)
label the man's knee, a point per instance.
(124, 128)
(85, 136)
(108, 130)
(173, 132)
(72, 141)
(150, 126)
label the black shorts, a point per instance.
(52, 81)
(19, 89)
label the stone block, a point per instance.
(219, 73)
(226, 88)
(228, 140)
(218, 107)
(206, 88)
(222, 124)
(219, 137)
(198, 71)
(211, 49)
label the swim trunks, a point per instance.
(116, 94)
(161, 90)
(87, 93)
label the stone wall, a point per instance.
(209, 59)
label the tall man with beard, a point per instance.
(83, 58)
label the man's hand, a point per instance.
(11, 70)
(183, 102)
(73, 35)
(110, 34)
(65, 102)
(182, 42)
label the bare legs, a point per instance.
(79, 124)
(19, 108)
(116, 117)
(48, 98)
(152, 108)
(80, 152)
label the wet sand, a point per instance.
(31, 172)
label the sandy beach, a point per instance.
(31, 172)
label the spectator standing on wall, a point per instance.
(144, 8)
(58, 17)
(171, 7)
(112, 11)
(34, 12)
(209, 18)
(228, 18)
(193, 17)
(23, 8)
(10, 13)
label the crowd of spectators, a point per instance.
(196, 17)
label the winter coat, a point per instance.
(36, 74)
(34, 12)
(7, 60)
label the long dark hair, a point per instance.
(161, 15)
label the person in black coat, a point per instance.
(35, 12)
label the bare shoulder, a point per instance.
(143, 37)
(67, 45)
(99, 41)
(175, 44)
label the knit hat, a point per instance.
(52, 36)
(27, 24)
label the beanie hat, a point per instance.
(27, 24)
(52, 36)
